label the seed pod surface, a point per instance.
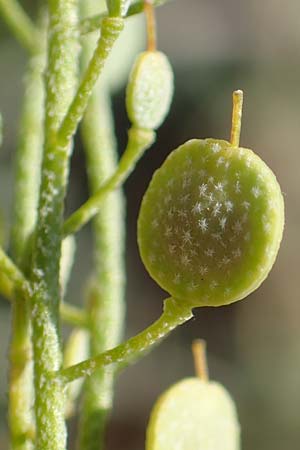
(150, 90)
(211, 223)
(194, 415)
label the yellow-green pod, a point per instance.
(149, 90)
(194, 415)
(210, 223)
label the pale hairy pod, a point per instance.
(211, 223)
(150, 90)
(192, 415)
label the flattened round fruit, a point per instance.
(194, 415)
(210, 223)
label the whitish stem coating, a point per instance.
(237, 110)
(138, 142)
(20, 24)
(61, 79)
(174, 314)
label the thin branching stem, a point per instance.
(11, 273)
(138, 141)
(73, 315)
(28, 158)
(174, 314)
(110, 31)
(61, 80)
(105, 299)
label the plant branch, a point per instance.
(61, 81)
(138, 141)
(105, 301)
(68, 313)
(6, 287)
(110, 31)
(20, 24)
(73, 315)
(94, 23)
(28, 158)
(12, 273)
(128, 352)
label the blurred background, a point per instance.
(215, 47)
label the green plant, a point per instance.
(62, 90)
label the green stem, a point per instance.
(6, 287)
(76, 349)
(21, 24)
(21, 377)
(68, 313)
(27, 177)
(138, 141)
(68, 250)
(28, 159)
(106, 299)
(117, 8)
(73, 315)
(128, 352)
(11, 273)
(110, 31)
(94, 23)
(61, 80)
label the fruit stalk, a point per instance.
(130, 351)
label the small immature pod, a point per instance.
(194, 415)
(211, 223)
(149, 90)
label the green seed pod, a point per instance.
(149, 90)
(211, 223)
(193, 415)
